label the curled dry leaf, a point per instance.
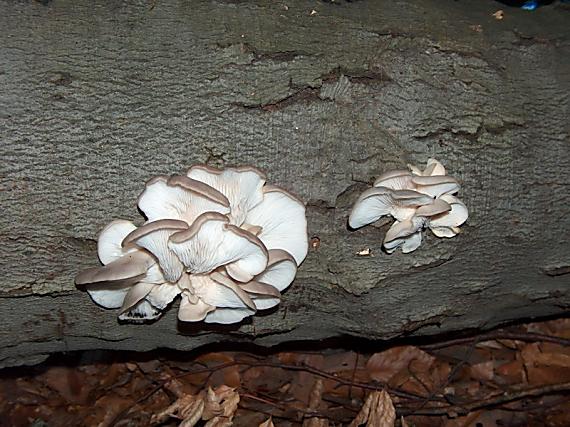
(193, 414)
(184, 408)
(220, 404)
(315, 399)
(217, 407)
(316, 395)
(377, 411)
(219, 422)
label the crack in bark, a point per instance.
(307, 94)
(556, 270)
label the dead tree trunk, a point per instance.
(97, 97)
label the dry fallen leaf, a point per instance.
(377, 411)
(316, 422)
(483, 371)
(193, 414)
(268, 423)
(385, 365)
(221, 405)
(315, 399)
(185, 407)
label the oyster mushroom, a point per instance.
(416, 200)
(222, 240)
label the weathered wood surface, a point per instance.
(97, 97)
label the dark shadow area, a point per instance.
(340, 343)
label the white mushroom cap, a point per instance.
(222, 292)
(234, 287)
(153, 236)
(395, 180)
(406, 234)
(433, 168)
(283, 223)
(112, 294)
(162, 295)
(211, 242)
(227, 316)
(203, 297)
(257, 289)
(435, 186)
(445, 224)
(408, 243)
(109, 247)
(193, 312)
(438, 206)
(242, 186)
(180, 198)
(108, 296)
(280, 272)
(377, 202)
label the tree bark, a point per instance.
(98, 97)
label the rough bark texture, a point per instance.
(97, 97)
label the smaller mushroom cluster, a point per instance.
(224, 240)
(416, 200)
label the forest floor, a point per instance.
(516, 376)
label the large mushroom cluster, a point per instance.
(224, 240)
(416, 200)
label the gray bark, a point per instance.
(97, 97)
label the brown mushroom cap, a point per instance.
(151, 227)
(182, 236)
(259, 288)
(128, 269)
(199, 188)
(137, 293)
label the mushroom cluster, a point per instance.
(416, 200)
(224, 240)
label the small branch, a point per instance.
(499, 335)
(501, 399)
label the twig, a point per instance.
(499, 335)
(501, 399)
